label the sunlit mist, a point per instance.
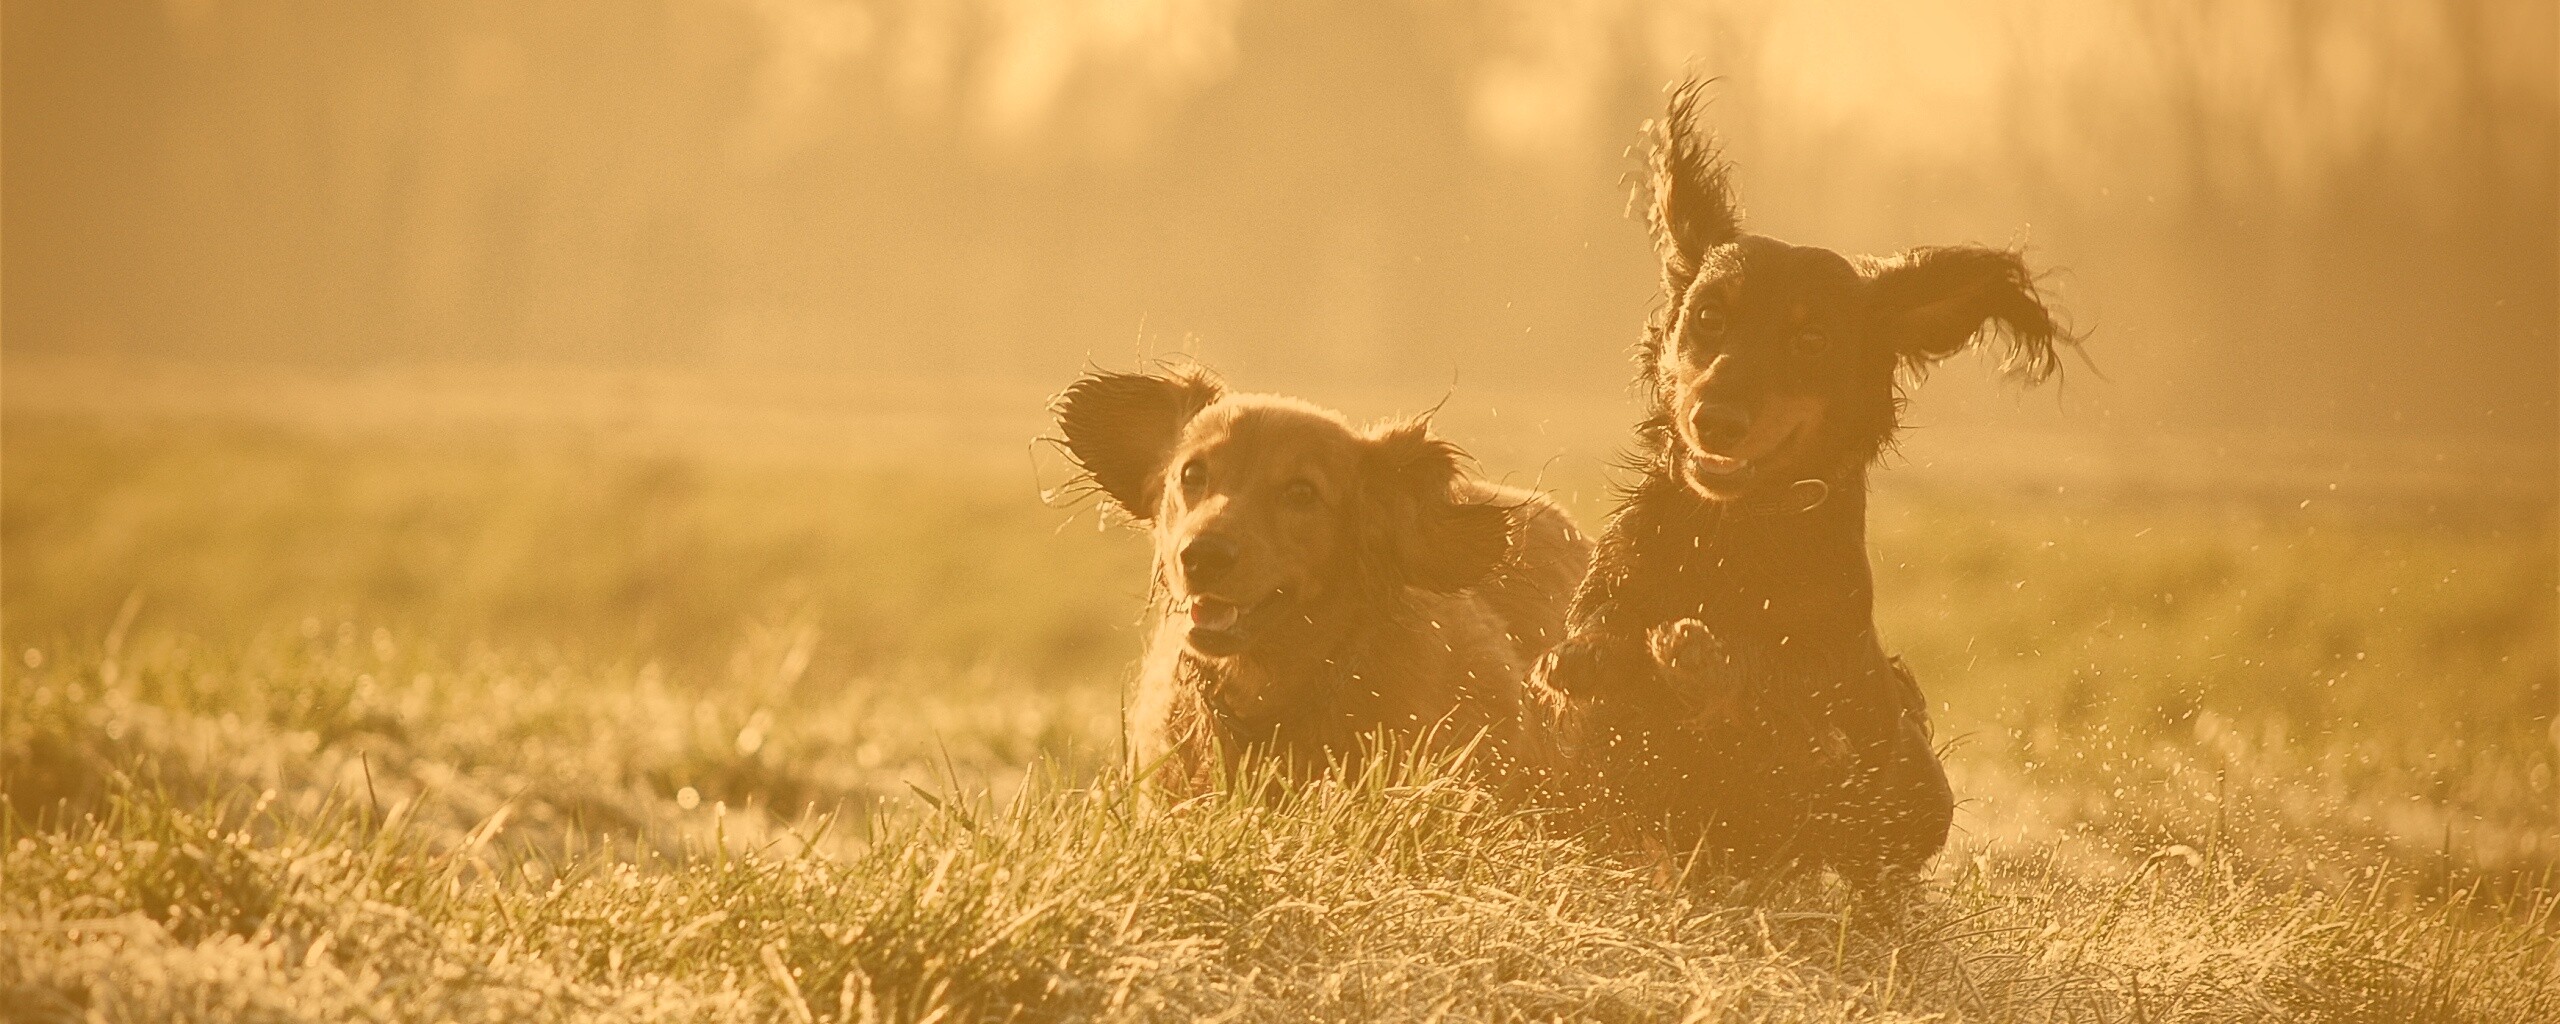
(2331, 220)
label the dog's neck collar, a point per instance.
(1799, 498)
(1804, 495)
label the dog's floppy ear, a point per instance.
(1687, 190)
(1120, 428)
(1434, 540)
(1932, 301)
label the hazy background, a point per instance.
(620, 415)
(2292, 226)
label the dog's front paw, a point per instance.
(1696, 665)
(1685, 648)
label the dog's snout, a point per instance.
(1720, 426)
(1207, 558)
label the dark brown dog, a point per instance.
(1320, 584)
(1721, 683)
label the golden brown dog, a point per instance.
(1319, 583)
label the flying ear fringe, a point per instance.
(1079, 486)
(1080, 403)
(1687, 190)
(2031, 339)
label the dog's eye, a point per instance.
(1812, 343)
(1299, 493)
(1706, 332)
(1194, 474)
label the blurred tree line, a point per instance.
(2277, 213)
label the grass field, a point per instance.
(467, 724)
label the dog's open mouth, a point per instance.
(1220, 627)
(1727, 476)
(1214, 615)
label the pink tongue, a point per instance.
(1206, 614)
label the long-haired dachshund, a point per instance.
(1320, 584)
(1721, 686)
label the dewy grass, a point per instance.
(1397, 894)
(399, 739)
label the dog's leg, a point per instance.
(1678, 666)
(1917, 803)
(1895, 808)
(1914, 804)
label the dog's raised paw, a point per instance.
(1696, 668)
(1686, 649)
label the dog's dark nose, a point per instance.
(1720, 426)
(1207, 558)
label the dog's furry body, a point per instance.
(1721, 687)
(1405, 662)
(1724, 690)
(1363, 586)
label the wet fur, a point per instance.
(1722, 688)
(1442, 591)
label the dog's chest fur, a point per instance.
(1409, 664)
